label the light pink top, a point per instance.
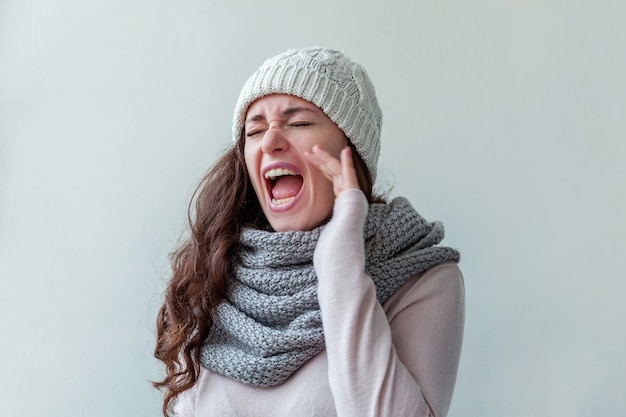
(396, 360)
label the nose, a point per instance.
(274, 140)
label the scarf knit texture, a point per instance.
(270, 323)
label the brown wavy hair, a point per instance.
(223, 203)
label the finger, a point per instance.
(340, 171)
(347, 169)
(325, 162)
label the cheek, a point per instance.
(248, 157)
(324, 192)
(252, 168)
(335, 145)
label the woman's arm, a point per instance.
(376, 368)
(184, 404)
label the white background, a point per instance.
(504, 119)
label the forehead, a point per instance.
(279, 103)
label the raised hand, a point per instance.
(340, 172)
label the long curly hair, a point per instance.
(223, 203)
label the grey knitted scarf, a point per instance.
(270, 324)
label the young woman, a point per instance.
(299, 292)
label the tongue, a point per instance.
(287, 186)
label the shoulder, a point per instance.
(441, 287)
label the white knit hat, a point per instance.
(331, 81)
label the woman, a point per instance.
(299, 292)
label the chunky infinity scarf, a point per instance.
(270, 324)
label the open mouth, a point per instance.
(283, 185)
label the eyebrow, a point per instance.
(289, 111)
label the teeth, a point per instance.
(281, 201)
(278, 172)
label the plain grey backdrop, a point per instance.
(504, 119)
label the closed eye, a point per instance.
(253, 133)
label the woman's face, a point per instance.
(279, 128)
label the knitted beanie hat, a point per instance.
(331, 81)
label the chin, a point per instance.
(287, 225)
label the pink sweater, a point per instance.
(395, 360)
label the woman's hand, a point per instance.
(340, 172)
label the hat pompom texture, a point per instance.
(339, 86)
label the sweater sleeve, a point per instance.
(403, 366)
(184, 404)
